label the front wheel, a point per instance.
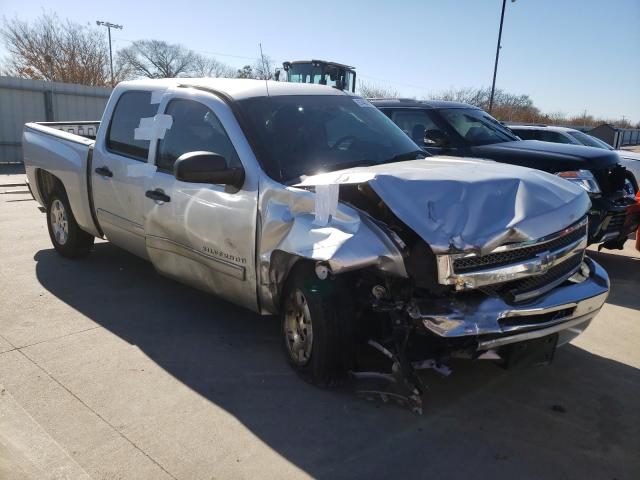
(318, 327)
(67, 237)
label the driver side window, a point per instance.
(195, 128)
(414, 123)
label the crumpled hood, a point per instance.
(469, 205)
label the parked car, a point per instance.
(307, 202)
(551, 133)
(459, 129)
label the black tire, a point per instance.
(333, 345)
(77, 242)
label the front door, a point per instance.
(119, 172)
(415, 122)
(198, 233)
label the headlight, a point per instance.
(584, 178)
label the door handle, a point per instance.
(104, 171)
(157, 195)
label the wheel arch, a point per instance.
(46, 184)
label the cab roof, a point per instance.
(542, 127)
(334, 64)
(235, 88)
(412, 103)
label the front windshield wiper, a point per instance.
(328, 168)
(354, 164)
(413, 155)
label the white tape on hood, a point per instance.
(326, 203)
(153, 128)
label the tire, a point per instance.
(67, 237)
(328, 346)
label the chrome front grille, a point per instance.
(514, 255)
(531, 287)
(518, 268)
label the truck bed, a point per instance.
(64, 150)
(87, 129)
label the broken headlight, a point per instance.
(584, 178)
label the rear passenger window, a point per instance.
(555, 137)
(131, 107)
(195, 128)
(528, 134)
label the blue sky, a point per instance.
(568, 55)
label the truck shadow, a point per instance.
(624, 272)
(481, 419)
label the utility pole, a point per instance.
(495, 67)
(109, 27)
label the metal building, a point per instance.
(24, 100)
(616, 137)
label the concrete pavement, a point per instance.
(110, 371)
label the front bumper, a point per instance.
(492, 322)
(610, 221)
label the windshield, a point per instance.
(330, 75)
(589, 141)
(476, 127)
(300, 135)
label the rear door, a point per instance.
(202, 234)
(119, 172)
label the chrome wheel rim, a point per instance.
(59, 222)
(298, 329)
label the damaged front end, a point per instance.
(447, 258)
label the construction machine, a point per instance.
(321, 72)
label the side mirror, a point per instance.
(435, 138)
(276, 75)
(207, 167)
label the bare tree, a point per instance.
(264, 68)
(369, 90)
(509, 107)
(245, 72)
(50, 49)
(210, 67)
(156, 59)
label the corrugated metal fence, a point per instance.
(23, 100)
(628, 136)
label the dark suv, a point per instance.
(464, 130)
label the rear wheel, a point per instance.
(317, 327)
(67, 237)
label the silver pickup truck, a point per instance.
(307, 202)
